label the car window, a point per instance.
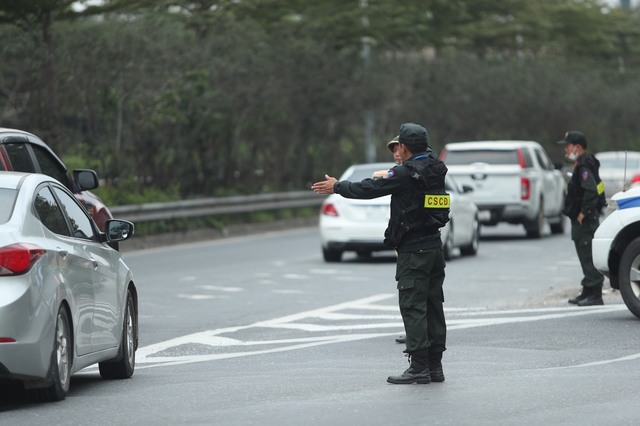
(49, 212)
(50, 167)
(7, 198)
(526, 155)
(80, 222)
(20, 157)
(489, 156)
(543, 160)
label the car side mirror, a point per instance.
(466, 189)
(118, 230)
(85, 179)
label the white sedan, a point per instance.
(359, 225)
(616, 247)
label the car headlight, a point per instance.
(611, 207)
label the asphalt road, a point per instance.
(258, 330)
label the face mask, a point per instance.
(573, 156)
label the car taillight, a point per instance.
(521, 159)
(635, 179)
(17, 259)
(7, 340)
(525, 188)
(329, 209)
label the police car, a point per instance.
(616, 247)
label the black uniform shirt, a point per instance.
(399, 184)
(583, 184)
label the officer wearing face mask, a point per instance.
(584, 202)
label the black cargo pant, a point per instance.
(582, 236)
(420, 277)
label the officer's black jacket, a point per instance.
(582, 193)
(404, 195)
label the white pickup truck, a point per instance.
(512, 181)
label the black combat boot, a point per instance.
(435, 367)
(594, 297)
(418, 371)
(401, 339)
(583, 295)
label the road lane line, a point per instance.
(461, 318)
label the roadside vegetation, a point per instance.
(184, 99)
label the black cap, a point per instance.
(413, 134)
(574, 137)
(393, 142)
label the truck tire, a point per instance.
(331, 255)
(535, 227)
(558, 227)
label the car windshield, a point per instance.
(488, 156)
(7, 199)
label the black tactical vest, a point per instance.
(431, 210)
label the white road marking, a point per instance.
(352, 318)
(285, 291)
(295, 277)
(598, 363)
(325, 271)
(218, 288)
(200, 296)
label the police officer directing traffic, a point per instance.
(419, 208)
(584, 202)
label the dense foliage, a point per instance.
(189, 98)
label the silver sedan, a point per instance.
(67, 299)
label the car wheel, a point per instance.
(60, 367)
(447, 247)
(629, 277)
(535, 228)
(123, 366)
(558, 227)
(472, 248)
(331, 255)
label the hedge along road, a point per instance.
(259, 330)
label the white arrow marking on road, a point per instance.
(151, 356)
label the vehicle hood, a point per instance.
(627, 199)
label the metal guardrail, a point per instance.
(216, 206)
